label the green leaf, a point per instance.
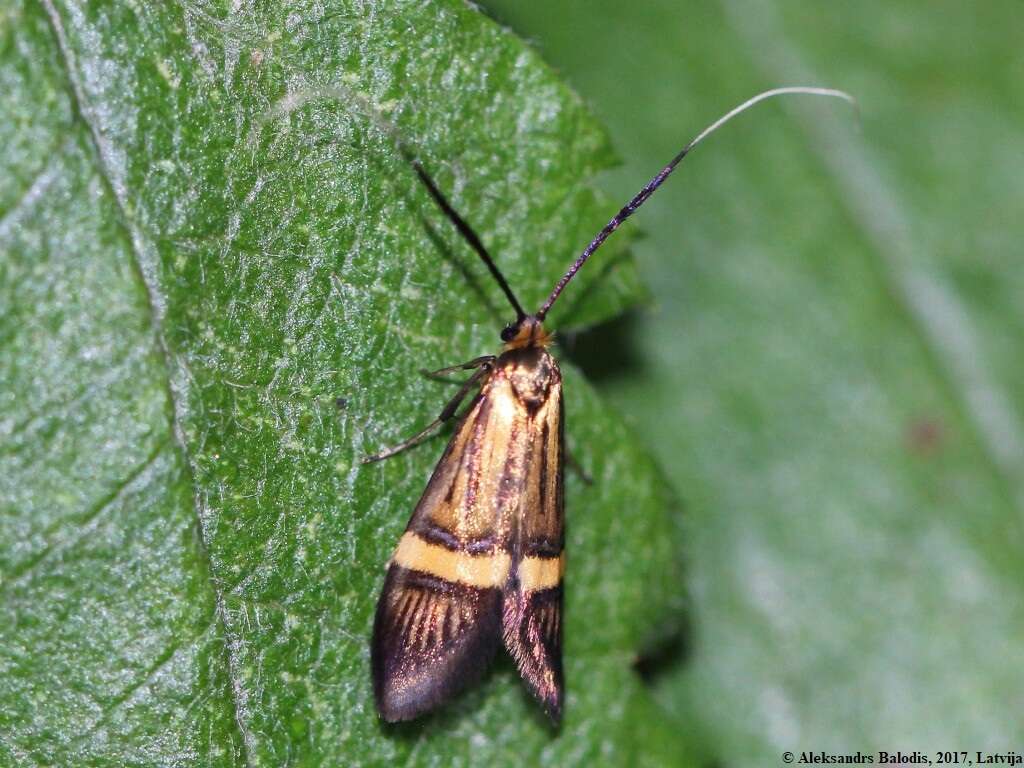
(833, 378)
(206, 247)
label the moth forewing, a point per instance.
(532, 613)
(439, 615)
(480, 558)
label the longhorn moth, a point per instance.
(481, 560)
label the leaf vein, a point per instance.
(11, 218)
(20, 572)
(149, 284)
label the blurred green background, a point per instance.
(832, 372)
(203, 247)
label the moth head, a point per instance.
(527, 331)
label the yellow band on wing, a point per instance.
(486, 570)
(537, 573)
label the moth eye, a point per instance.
(509, 332)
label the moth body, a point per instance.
(480, 562)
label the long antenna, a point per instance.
(653, 184)
(465, 230)
(460, 223)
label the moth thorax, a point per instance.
(530, 371)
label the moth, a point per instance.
(481, 561)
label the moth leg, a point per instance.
(449, 410)
(476, 362)
(575, 466)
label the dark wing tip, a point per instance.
(406, 688)
(553, 706)
(533, 637)
(419, 663)
(395, 704)
(548, 694)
